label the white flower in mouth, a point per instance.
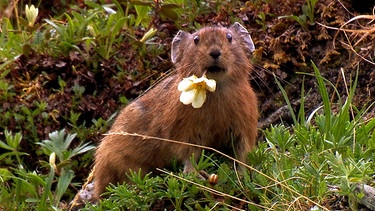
(194, 90)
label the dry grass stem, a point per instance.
(356, 36)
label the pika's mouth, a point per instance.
(215, 69)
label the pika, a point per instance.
(228, 117)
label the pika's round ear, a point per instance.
(177, 43)
(245, 36)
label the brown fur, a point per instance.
(232, 108)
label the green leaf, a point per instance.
(26, 49)
(82, 149)
(13, 153)
(142, 3)
(68, 140)
(62, 184)
(36, 179)
(6, 71)
(5, 175)
(142, 13)
(168, 11)
(13, 140)
(285, 95)
(58, 28)
(5, 146)
(118, 26)
(324, 93)
(47, 189)
(120, 11)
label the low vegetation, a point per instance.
(64, 75)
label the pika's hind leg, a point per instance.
(102, 178)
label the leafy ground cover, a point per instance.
(65, 72)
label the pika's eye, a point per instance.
(229, 37)
(196, 40)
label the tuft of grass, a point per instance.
(321, 155)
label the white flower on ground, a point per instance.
(31, 14)
(194, 90)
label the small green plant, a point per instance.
(100, 27)
(140, 196)
(146, 191)
(307, 16)
(160, 9)
(20, 187)
(177, 192)
(60, 145)
(309, 9)
(346, 174)
(10, 41)
(325, 149)
(262, 20)
(12, 145)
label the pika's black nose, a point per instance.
(215, 54)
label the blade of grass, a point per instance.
(287, 101)
(62, 185)
(301, 112)
(324, 93)
(47, 188)
(348, 103)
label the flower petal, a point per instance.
(193, 77)
(199, 80)
(199, 99)
(185, 85)
(188, 97)
(211, 85)
(31, 14)
(194, 90)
